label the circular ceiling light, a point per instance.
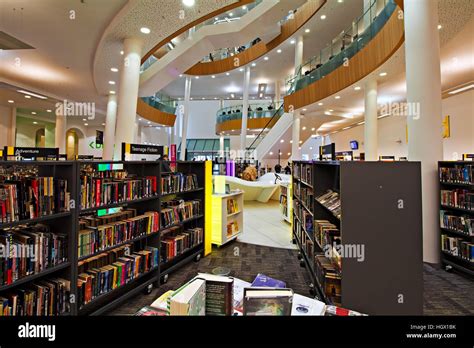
(35, 122)
(213, 76)
(112, 92)
(320, 104)
(253, 64)
(33, 113)
(279, 51)
(357, 88)
(111, 82)
(188, 3)
(292, 41)
(307, 30)
(11, 101)
(49, 110)
(337, 97)
(323, 17)
(27, 97)
(227, 74)
(113, 69)
(383, 74)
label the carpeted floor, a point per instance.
(445, 293)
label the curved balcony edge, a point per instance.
(152, 114)
(382, 46)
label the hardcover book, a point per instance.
(265, 281)
(190, 299)
(219, 297)
(267, 301)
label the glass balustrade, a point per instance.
(162, 102)
(344, 46)
(256, 110)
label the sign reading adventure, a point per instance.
(14, 153)
(140, 149)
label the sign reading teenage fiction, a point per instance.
(140, 149)
(13, 153)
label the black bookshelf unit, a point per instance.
(68, 223)
(456, 181)
(371, 211)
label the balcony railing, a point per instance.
(344, 46)
(256, 110)
(162, 103)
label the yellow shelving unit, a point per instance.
(221, 218)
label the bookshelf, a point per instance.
(358, 228)
(286, 198)
(456, 180)
(144, 236)
(227, 217)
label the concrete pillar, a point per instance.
(109, 132)
(295, 137)
(370, 117)
(187, 98)
(245, 111)
(60, 132)
(423, 76)
(11, 135)
(128, 94)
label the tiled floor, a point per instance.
(264, 225)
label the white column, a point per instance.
(277, 92)
(370, 117)
(128, 94)
(245, 107)
(11, 135)
(187, 97)
(295, 137)
(299, 52)
(109, 133)
(424, 127)
(60, 132)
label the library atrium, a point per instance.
(236, 158)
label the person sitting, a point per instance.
(259, 108)
(270, 107)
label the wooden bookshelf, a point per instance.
(454, 240)
(68, 223)
(380, 211)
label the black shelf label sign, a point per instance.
(326, 150)
(30, 152)
(468, 156)
(140, 149)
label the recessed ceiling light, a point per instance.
(33, 113)
(271, 153)
(291, 141)
(180, 75)
(145, 30)
(304, 128)
(253, 64)
(203, 98)
(86, 124)
(188, 3)
(244, 7)
(310, 147)
(320, 104)
(215, 98)
(313, 129)
(289, 153)
(196, 77)
(278, 50)
(217, 18)
(49, 110)
(305, 109)
(241, 69)
(121, 53)
(462, 89)
(383, 74)
(148, 122)
(440, 27)
(11, 101)
(232, 95)
(292, 41)
(103, 124)
(323, 17)
(327, 113)
(84, 119)
(340, 1)
(301, 141)
(111, 82)
(31, 94)
(337, 97)
(113, 69)
(307, 30)
(357, 88)
(34, 122)
(331, 110)
(112, 92)
(27, 97)
(227, 74)
(282, 141)
(231, 14)
(213, 76)
(266, 58)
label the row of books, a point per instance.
(98, 191)
(304, 216)
(178, 182)
(457, 247)
(305, 241)
(459, 174)
(463, 224)
(111, 270)
(175, 241)
(23, 198)
(97, 239)
(331, 201)
(284, 205)
(304, 194)
(329, 277)
(176, 211)
(232, 206)
(326, 233)
(48, 297)
(304, 172)
(459, 198)
(29, 250)
(232, 228)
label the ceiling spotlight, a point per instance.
(383, 74)
(188, 3)
(304, 128)
(27, 97)
(253, 64)
(307, 30)
(232, 95)
(271, 153)
(266, 58)
(203, 98)
(31, 94)
(34, 122)
(320, 104)
(33, 113)
(86, 124)
(196, 77)
(216, 19)
(231, 14)
(227, 74)
(337, 97)
(301, 141)
(111, 82)
(241, 69)
(323, 17)
(292, 41)
(282, 141)
(213, 76)
(291, 141)
(180, 75)
(112, 92)
(244, 7)
(331, 110)
(145, 30)
(310, 147)
(103, 124)
(289, 153)
(440, 27)
(340, 1)
(113, 69)
(148, 122)
(305, 109)
(11, 101)
(313, 129)
(357, 88)
(49, 110)
(84, 119)
(278, 50)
